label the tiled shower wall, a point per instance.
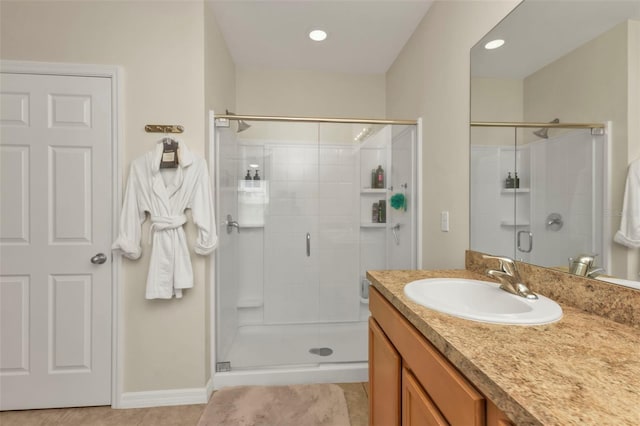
(311, 189)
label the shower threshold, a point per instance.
(264, 346)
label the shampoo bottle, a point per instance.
(379, 177)
(382, 211)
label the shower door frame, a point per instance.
(343, 370)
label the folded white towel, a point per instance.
(629, 233)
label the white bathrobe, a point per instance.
(188, 187)
(629, 233)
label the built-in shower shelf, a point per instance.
(373, 191)
(515, 190)
(250, 303)
(373, 225)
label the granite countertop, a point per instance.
(581, 370)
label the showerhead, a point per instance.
(543, 132)
(242, 126)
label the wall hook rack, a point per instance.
(163, 128)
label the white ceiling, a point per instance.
(363, 36)
(366, 36)
(538, 32)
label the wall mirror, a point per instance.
(540, 191)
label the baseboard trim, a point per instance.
(166, 397)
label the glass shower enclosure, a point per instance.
(303, 213)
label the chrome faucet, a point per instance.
(594, 272)
(509, 277)
(583, 266)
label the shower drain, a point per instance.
(321, 351)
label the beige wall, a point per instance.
(220, 71)
(592, 84)
(309, 93)
(160, 48)
(633, 256)
(430, 79)
(495, 99)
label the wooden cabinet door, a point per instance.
(417, 408)
(495, 417)
(384, 379)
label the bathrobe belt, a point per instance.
(162, 223)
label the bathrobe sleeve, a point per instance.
(629, 233)
(202, 212)
(131, 218)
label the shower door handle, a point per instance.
(308, 244)
(530, 235)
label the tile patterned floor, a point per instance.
(356, 395)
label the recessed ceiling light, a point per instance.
(317, 35)
(494, 44)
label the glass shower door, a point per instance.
(226, 323)
(341, 335)
(401, 229)
(274, 289)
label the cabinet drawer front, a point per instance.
(458, 401)
(417, 407)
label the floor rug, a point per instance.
(294, 405)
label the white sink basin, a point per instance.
(481, 301)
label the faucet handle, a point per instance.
(507, 264)
(502, 258)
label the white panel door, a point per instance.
(55, 215)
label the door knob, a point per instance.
(99, 259)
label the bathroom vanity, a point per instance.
(411, 383)
(432, 368)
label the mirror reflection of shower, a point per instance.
(542, 133)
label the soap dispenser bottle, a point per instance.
(516, 181)
(248, 176)
(509, 181)
(256, 176)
